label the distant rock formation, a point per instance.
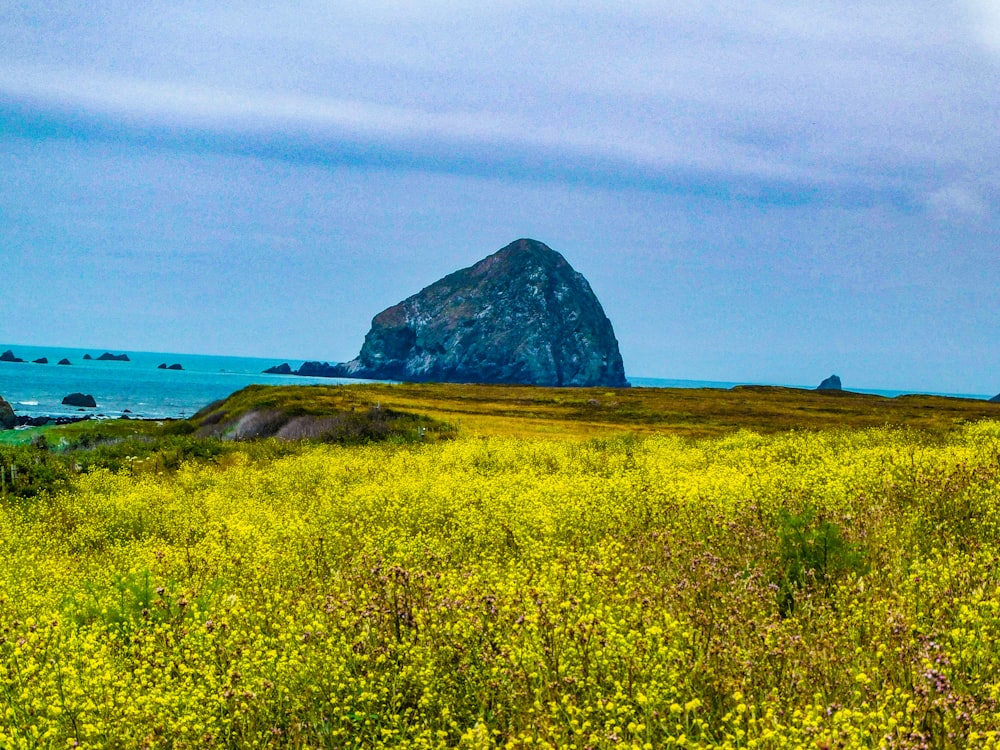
(323, 370)
(109, 357)
(87, 356)
(40, 361)
(8, 420)
(995, 399)
(64, 361)
(164, 366)
(8, 356)
(519, 316)
(80, 399)
(832, 383)
(283, 369)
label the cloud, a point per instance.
(763, 100)
(44, 101)
(985, 16)
(958, 203)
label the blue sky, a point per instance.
(757, 191)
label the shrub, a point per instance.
(812, 552)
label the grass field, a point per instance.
(513, 411)
(648, 571)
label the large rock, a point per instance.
(832, 383)
(522, 315)
(80, 399)
(283, 369)
(109, 357)
(8, 356)
(995, 399)
(8, 420)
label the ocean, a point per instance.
(137, 386)
(141, 390)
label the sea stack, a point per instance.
(519, 316)
(832, 383)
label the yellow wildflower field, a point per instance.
(797, 590)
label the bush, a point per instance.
(29, 470)
(812, 552)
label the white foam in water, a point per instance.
(28, 403)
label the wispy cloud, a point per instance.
(766, 100)
(958, 203)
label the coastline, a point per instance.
(141, 389)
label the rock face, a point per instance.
(521, 315)
(80, 399)
(8, 420)
(8, 356)
(832, 383)
(283, 369)
(995, 399)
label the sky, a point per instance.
(757, 191)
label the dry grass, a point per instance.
(526, 411)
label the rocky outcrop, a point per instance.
(80, 399)
(8, 356)
(832, 383)
(64, 361)
(283, 369)
(109, 357)
(8, 420)
(87, 356)
(40, 361)
(995, 399)
(519, 316)
(165, 366)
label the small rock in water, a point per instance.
(80, 399)
(65, 361)
(87, 356)
(283, 369)
(40, 361)
(832, 383)
(8, 356)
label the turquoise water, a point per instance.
(139, 387)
